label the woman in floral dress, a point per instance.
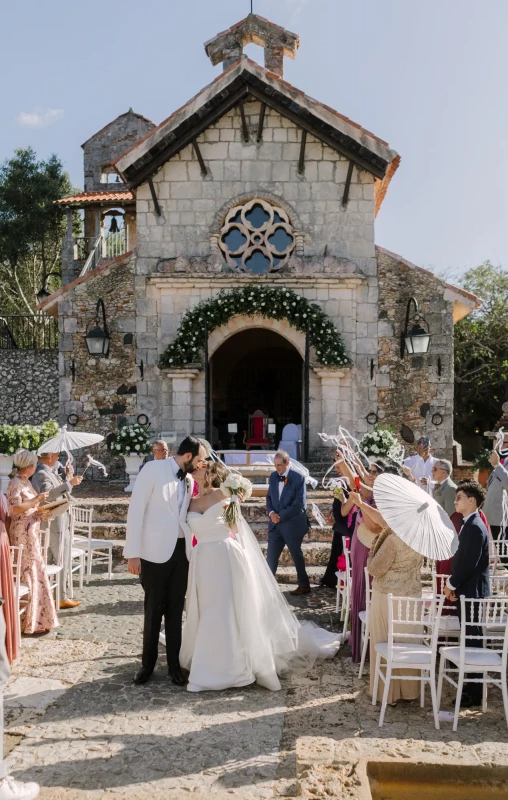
(23, 502)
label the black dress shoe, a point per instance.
(301, 590)
(142, 676)
(177, 676)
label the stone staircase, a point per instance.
(110, 516)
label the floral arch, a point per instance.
(275, 303)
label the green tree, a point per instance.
(32, 227)
(481, 351)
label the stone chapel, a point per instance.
(228, 257)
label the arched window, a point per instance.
(256, 237)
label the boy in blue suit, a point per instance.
(286, 504)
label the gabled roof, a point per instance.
(464, 302)
(243, 78)
(128, 113)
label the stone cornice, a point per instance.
(233, 281)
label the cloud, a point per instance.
(40, 117)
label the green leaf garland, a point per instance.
(270, 303)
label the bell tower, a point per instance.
(227, 47)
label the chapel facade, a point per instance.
(233, 249)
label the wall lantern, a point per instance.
(415, 338)
(97, 339)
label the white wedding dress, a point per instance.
(239, 629)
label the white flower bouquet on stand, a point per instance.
(238, 488)
(381, 442)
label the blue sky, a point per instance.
(429, 77)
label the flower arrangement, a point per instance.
(25, 437)
(482, 460)
(270, 303)
(132, 439)
(238, 488)
(380, 441)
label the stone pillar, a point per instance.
(274, 59)
(181, 399)
(231, 55)
(68, 251)
(330, 398)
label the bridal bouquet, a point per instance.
(238, 488)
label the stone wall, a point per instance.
(29, 381)
(411, 390)
(104, 389)
(189, 202)
(109, 143)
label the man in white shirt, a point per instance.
(157, 547)
(421, 464)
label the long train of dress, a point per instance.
(238, 627)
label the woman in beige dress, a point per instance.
(395, 569)
(23, 503)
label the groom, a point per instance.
(158, 548)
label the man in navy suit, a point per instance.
(470, 569)
(286, 504)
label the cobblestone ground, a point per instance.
(78, 726)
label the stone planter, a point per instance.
(132, 465)
(5, 469)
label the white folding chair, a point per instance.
(52, 570)
(490, 615)
(81, 527)
(407, 647)
(21, 591)
(343, 605)
(75, 554)
(365, 620)
(449, 625)
(498, 555)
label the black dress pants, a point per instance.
(473, 690)
(164, 586)
(329, 578)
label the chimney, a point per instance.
(227, 47)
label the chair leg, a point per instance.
(440, 681)
(433, 694)
(110, 563)
(88, 564)
(422, 689)
(346, 619)
(504, 690)
(484, 692)
(388, 678)
(457, 700)
(376, 679)
(81, 570)
(366, 635)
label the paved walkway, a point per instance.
(78, 726)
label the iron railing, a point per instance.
(28, 332)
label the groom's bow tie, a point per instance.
(180, 475)
(282, 478)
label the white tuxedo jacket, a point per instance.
(153, 521)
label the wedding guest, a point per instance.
(421, 464)
(7, 585)
(23, 503)
(444, 487)
(496, 487)
(10, 789)
(160, 452)
(286, 504)
(470, 570)
(341, 526)
(48, 479)
(396, 570)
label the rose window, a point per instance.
(256, 237)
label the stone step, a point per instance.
(288, 574)
(316, 554)
(109, 530)
(315, 534)
(256, 511)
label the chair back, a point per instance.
(81, 520)
(490, 616)
(16, 553)
(499, 585)
(408, 616)
(290, 433)
(499, 554)
(258, 426)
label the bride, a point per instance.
(239, 629)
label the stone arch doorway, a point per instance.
(255, 369)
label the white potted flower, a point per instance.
(132, 442)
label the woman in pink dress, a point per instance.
(7, 586)
(23, 502)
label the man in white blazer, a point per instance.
(158, 546)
